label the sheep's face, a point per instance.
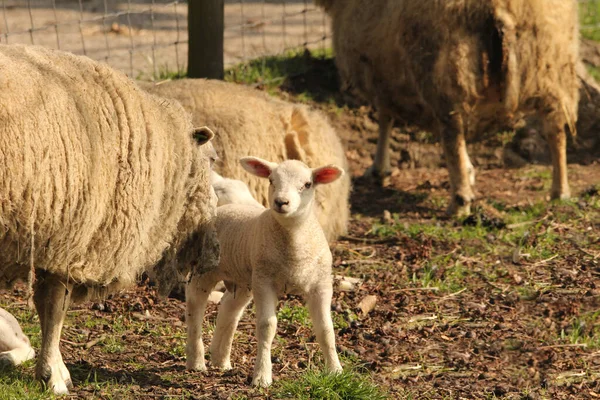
(291, 183)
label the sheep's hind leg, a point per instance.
(231, 309)
(319, 307)
(557, 140)
(196, 297)
(51, 297)
(265, 299)
(381, 168)
(460, 171)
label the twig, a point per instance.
(87, 345)
(433, 288)
(558, 346)
(367, 240)
(452, 294)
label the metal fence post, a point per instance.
(206, 20)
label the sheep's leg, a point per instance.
(51, 297)
(319, 307)
(265, 300)
(382, 156)
(230, 311)
(196, 297)
(460, 170)
(557, 140)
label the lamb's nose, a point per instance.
(280, 203)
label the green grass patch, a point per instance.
(293, 314)
(325, 386)
(589, 19)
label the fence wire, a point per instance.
(149, 37)
(255, 28)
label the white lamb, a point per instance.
(266, 253)
(232, 191)
(14, 345)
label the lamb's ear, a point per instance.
(202, 135)
(326, 174)
(257, 166)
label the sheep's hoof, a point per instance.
(381, 178)
(459, 207)
(560, 194)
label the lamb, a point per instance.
(265, 253)
(459, 68)
(15, 348)
(99, 181)
(232, 191)
(248, 121)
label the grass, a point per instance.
(589, 19)
(326, 386)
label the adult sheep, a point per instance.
(98, 179)
(462, 67)
(248, 121)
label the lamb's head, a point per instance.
(292, 188)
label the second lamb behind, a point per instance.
(267, 253)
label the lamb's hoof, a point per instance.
(381, 178)
(192, 366)
(262, 381)
(6, 361)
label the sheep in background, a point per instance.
(459, 68)
(266, 253)
(248, 121)
(15, 348)
(232, 191)
(98, 180)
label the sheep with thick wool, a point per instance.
(98, 180)
(266, 253)
(459, 68)
(248, 121)
(15, 348)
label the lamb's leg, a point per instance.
(230, 311)
(557, 140)
(460, 171)
(51, 297)
(381, 166)
(196, 297)
(16, 356)
(265, 300)
(319, 307)
(16, 346)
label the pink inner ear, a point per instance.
(326, 175)
(259, 168)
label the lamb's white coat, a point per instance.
(266, 253)
(14, 345)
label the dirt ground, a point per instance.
(502, 305)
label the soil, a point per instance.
(497, 338)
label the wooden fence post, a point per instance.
(206, 20)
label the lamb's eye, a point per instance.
(307, 185)
(270, 181)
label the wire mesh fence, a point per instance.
(149, 37)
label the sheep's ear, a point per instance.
(257, 166)
(327, 174)
(202, 135)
